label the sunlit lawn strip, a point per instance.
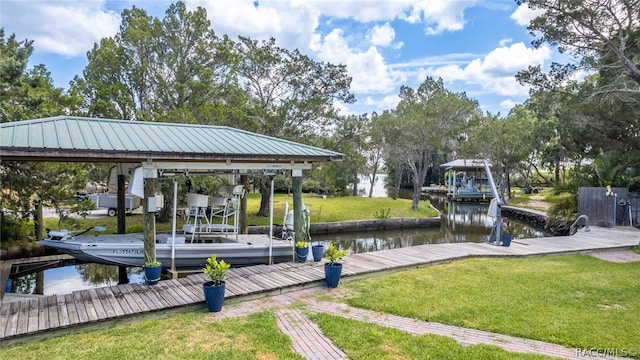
(574, 300)
(184, 336)
(360, 340)
(322, 210)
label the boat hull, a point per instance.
(128, 250)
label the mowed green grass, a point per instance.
(573, 300)
(322, 210)
(195, 335)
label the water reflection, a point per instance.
(65, 279)
(461, 222)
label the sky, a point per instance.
(475, 46)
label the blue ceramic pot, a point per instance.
(317, 251)
(213, 295)
(332, 274)
(506, 239)
(301, 254)
(152, 274)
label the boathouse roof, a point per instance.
(465, 164)
(68, 138)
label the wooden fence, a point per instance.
(607, 208)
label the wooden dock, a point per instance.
(96, 308)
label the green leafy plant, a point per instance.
(382, 214)
(150, 261)
(506, 230)
(216, 270)
(334, 254)
(301, 244)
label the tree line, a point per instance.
(578, 128)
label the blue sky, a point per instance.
(474, 46)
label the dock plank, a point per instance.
(43, 314)
(132, 299)
(92, 313)
(150, 298)
(4, 317)
(12, 319)
(101, 312)
(52, 308)
(83, 317)
(139, 291)
(23, 317)
(122, 300)
(185, 292)
(117, 306)
(63, 315)
(170, 295)
(72, 310)
(34, 311)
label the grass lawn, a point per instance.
(322, 210)
(573, 300)
(184, 336)
(576, 301)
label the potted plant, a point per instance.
(333, 269)
(215, 287)
(506, 233)
(152, 270)
(301, 251)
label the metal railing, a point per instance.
(574, 227)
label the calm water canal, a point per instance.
(461, 222)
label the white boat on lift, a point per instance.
(128, 249)
(209, 230)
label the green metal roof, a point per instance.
(66, 138)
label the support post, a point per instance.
(296, 175)
(38, 220)
(148, 215)
(123, 277)
(120, 203)
(244, 227)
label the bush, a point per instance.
(564, 211)
(281, 184)
(13, 228)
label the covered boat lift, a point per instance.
(160, 149)
(468, 180)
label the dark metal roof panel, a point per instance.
(93, 134)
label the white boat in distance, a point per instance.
(128, 249)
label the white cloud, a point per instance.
(68, 28)
(387, 102)
(381, 35)
(523, 14)
(442, 16)
(508, 104)
(368, 69)
(495, 72)
(291, 23)
(505, 42)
